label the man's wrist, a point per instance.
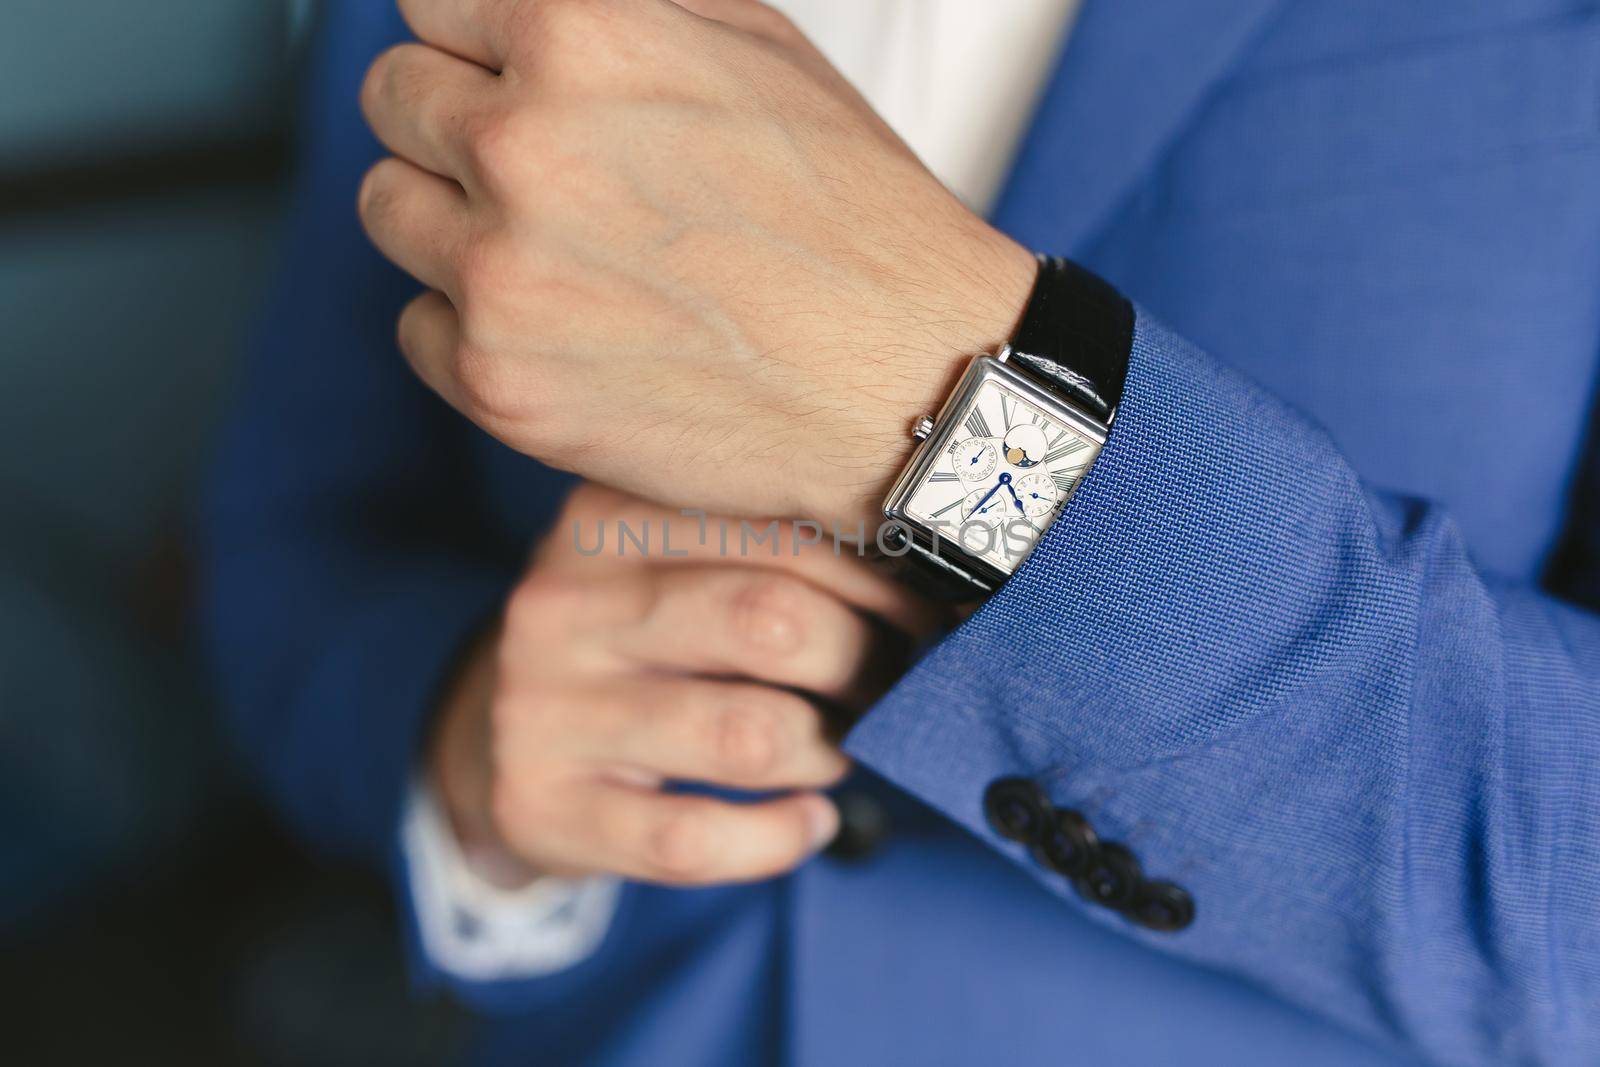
(986, 291)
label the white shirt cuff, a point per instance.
(480, 932)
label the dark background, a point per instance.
(150, 911)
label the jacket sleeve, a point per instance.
(1375, 769)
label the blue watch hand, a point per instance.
(1005, 480)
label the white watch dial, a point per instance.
(983, 506)
(1005, 473)
(1038, 492)
(974, 459)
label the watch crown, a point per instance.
(921, 428)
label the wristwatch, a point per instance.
(995, 466)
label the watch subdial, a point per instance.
(1025, 445)
(1038, 494)
(974, 459)
(984, 506)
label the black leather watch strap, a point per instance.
(1076, 334)
(930, 574)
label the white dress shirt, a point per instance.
(958, 80)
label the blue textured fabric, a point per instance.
(1287, 642)
(1303, 704)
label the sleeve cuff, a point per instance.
(477, 932)
(1213, 615)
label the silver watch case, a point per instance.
(944, 553)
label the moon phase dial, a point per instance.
(1025, 445)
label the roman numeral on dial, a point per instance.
(1064, 482)
(943, 476)
(977, 424)
(1066, 448)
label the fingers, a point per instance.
(416, 219)
(687, 840)
(577, 771)
(472, 29)
(691, 729)
(421, 102)
(752, 623)
(808, 552)
(842, 572)
(429, 335)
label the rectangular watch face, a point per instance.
(1001, 463)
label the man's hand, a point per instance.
(609, 676)
(673, 250)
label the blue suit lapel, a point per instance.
(1132, 74)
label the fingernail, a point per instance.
(823, 820)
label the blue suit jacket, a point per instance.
(1288, 641)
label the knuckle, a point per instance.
(678, 848)
(482, 390)
(774, 23)
(490, 391)
(766, 612)
(391, 77)
(375, 200)
(398, 83)
(561, 27)
(746, 742)
(495, 141)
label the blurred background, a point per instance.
(149, 910)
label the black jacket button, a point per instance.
(1162, 906)
(1016, 808)
(1112, 878)
(863, 825)
(1068, 844)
